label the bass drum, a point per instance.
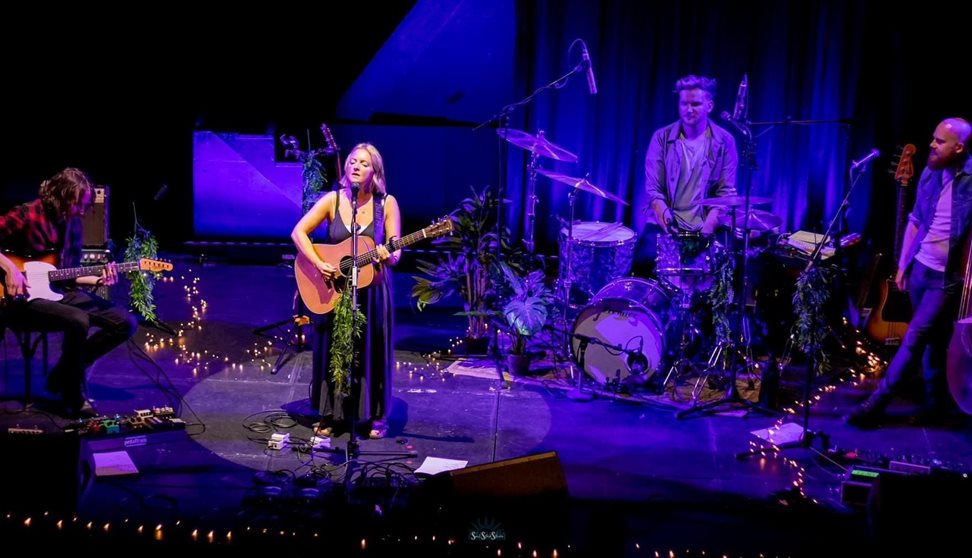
(629, 313)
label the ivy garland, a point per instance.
(812, 293)
(721, 296)
(313, 176)
(348, 323)
(142, 245)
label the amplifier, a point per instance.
(95, 220)
(97, 256)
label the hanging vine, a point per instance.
(813, 289)
(313, 176)
(348, 323)
(142, 245)
(721, 296)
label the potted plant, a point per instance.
(526, 303)
(464, 269)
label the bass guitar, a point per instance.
(888, 321)
(320, 296)
(42, 273)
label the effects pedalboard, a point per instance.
(857, 487)
(103, 433)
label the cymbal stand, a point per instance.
(531, 200)
(578, 393)
(727, 351)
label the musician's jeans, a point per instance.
(74, 315)
(925, 344)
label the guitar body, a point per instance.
(960, 365)
(34, 267)
(888, 321)
(320, 296)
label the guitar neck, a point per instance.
(75, 272)
(900, 221)
(392, 246)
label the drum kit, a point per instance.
(626, 329)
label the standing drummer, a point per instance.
(687, 161)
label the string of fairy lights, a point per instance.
(871, 365)
(421, 367)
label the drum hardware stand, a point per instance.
(687, 324)
(742, 350)
(531, 200)
(578, 393)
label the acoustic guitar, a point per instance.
(888, 322)
(42, 273)
(320, 296)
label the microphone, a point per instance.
(866, 159)
(586, 58)
(161, 192)
(737, 124)
(739, 111)
(637, 362)
(355, 186)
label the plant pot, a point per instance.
(518, 365)
(476, 345)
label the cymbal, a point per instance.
(732, 201)
(759, 220)
(536, 144)
(581, 184)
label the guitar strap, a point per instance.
(379, 217)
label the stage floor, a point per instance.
(638, 477)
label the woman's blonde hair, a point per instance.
(377, 165)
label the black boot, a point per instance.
(869, 413)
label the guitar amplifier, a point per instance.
(97, 256)
(95, 220)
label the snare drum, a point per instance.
(599, 253)
(687, 260)
(630, 313)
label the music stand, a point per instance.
(732, 398)
(298, 341)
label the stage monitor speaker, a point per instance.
(95, 233)
(42, 471)
(517, 499)
(906, 511)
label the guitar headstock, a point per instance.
(156, 266)
(905, 169)
(332, 146)
(441, 227)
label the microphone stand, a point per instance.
(502, 119)
(807, 436)
(732, 396)
(352, 449)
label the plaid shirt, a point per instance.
(30, 230)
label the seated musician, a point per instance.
(687, 161)
(52, 224)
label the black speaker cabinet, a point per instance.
(517, 499)
(95, 233)
(42, 471)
